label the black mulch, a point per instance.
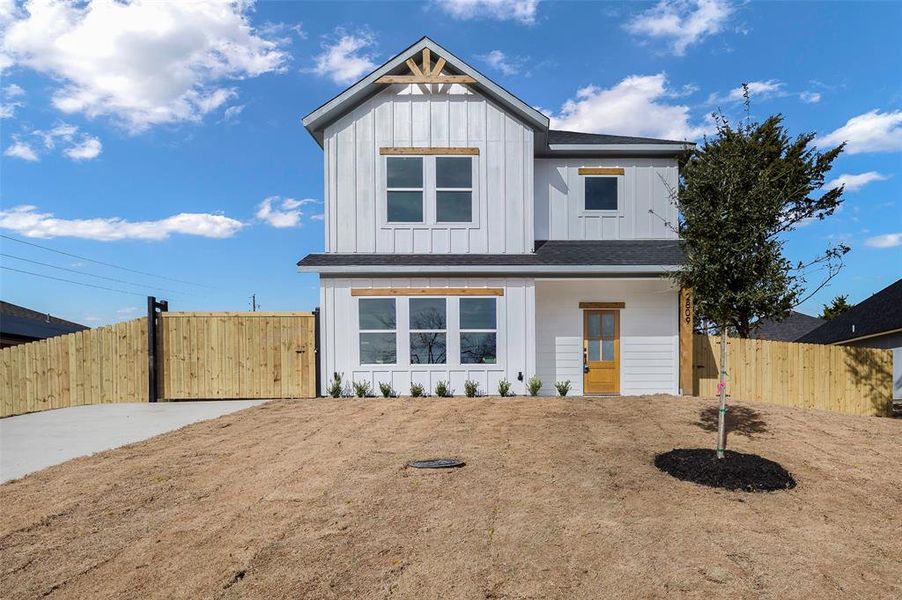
(736, 471)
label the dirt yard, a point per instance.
(559, 499)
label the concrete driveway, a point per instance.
(32, 442)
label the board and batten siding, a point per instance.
(515, 336)
(408, 116)
(649, 333)
(645, 186)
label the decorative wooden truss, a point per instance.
(428, 73)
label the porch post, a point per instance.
(686, 317)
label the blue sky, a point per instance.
(166, 138)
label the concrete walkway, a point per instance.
(35, 441)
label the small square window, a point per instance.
(601, 193)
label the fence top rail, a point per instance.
(716, 340)
(170, 315)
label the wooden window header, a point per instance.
(600, 171)
(427, 291)
(406, 151)
(603, 305)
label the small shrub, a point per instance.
(386, 389)
(417, 390)
(362, 389)
(533, 385)
(504, 388)
(443, 389)
(335, 386)
(562, 387)
(471, 388)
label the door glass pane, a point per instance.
(427, 348)
(427, 313)
(453, 207)
(477, 348)
(404, 172)
(601, 193)
(477, 313)
(377, 313)
(607, 350)
(453, 172)
(607, 325)
(377, 348)
(594, 325)
(594, 350)
(405, 207)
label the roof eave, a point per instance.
(546, 270)
(619, 149)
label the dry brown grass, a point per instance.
(559, 499)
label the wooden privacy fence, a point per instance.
(237, 355)
(95, 366)
(842, 379)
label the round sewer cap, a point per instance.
(436, 463)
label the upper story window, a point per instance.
(404, 198)
(601, 193)
(453, 189)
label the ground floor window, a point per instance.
(428, 324)
(478, 331)
(378, 331)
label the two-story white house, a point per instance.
(465, 239)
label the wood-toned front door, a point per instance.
(601, 352)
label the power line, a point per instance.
(106, 264)
(37, 262)
(99, 287)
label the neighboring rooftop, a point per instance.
(794, 326)
(879, 314)
(557, 136)
(21, 322)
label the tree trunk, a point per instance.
(722, 387)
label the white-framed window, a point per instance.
(453, 189)
(601, 193)
(404, 176)
(378, 327)
(428, 331)
(478, 331)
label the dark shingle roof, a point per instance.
(556, 136)
(880, 313)
(24, 322)
(548, 253)
(794, 326)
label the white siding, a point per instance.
(646, 210)
(449, 116)
(515, 341)
(649, 337)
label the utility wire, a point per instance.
(43, 264)
(99, 287)
(106, 264)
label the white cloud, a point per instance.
(873, 131)
(810, 97)
(282, 213)
(10, 92)
(764, 90)
(501, 62)
(27, 221)
(681, 23)
(853, 183)
(232, 112)
(523, 11)
(77, 144)
(87, 149)
(143, 63)
(638, 105)
(887, 240)
(346, 59)
(13, 91)
(318, 217)
(8, 109)
(20, 149)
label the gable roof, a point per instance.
(319, 119)
(794, 326)
(881, 313)
(24, 322)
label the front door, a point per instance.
(601, 352)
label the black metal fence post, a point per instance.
(316, 356)
(152, 306)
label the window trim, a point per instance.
(360, 331)
(583, 211)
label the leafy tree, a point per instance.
(740, 192)
(837, 306)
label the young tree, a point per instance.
(837, 306)
(740, 192)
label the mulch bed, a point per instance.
(736, 471)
